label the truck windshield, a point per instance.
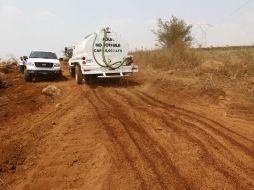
(43, 55)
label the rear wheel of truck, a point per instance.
(90, 79)
(28, 77)
(78, 74)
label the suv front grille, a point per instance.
(42, 64)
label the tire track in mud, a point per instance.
(200, 119)
(208, 141)
(197, 119)
(193, 115)
(151, 153)
(114, 138)
(166, 162)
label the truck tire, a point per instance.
(28, 77)
(90, 79)
(78, 74)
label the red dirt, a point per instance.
(150, 132)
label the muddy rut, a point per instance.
(124, 137)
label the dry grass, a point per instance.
(176, 57)
(231, 62)
(236, 62)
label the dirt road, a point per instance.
(120, 136)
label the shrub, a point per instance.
(172, 32)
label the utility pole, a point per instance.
(204, 28)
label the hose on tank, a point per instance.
(114, 65)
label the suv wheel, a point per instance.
(60, 75)
(28, 76)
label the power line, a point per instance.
(241, 7)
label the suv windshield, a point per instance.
(43, 55)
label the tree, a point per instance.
(172, 32)
(68, 52)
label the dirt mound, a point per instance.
(7, 68)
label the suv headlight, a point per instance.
(30, 64)
(56, 64)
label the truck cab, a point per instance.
(42, 63)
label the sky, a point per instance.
(51, 25)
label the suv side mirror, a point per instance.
(60, 59)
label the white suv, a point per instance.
(42, 63)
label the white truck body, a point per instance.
(103, 54)
(42, 63)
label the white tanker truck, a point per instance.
(103, 54)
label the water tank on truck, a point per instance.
(103, 54)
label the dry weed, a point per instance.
(233, 63)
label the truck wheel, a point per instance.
(78, 74)
(90, 79)
(28, 76)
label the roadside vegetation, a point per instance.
(237, 62)
(172, 32)
(175, 53)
